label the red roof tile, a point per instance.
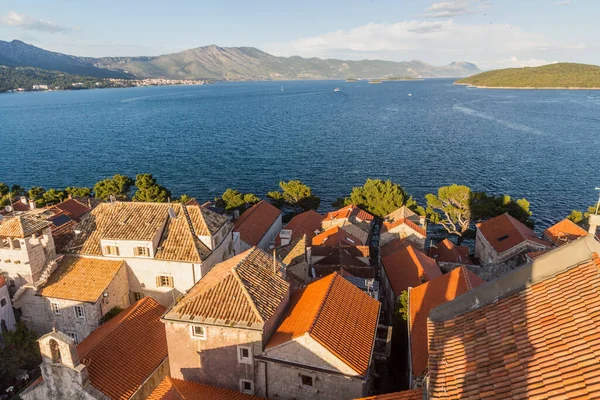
(350, 211)
(338, 315)
(409, 267)
(423, 298)
(393, 246)
(302, 224)
(176, 389)
(356, 270)
(118, 362)
(539, 341)
(414, 394)
(505, 232)
(336, 236)
(446, 251)
(564, 231)
(72, 208)
(254, 224)
(387, 226)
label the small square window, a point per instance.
(142, 252)
(112, 250)
(164, 281)
(56, 308)
(306, 380)
(79, 312)
(244, 355)
(11, 283)
(74, 336)
(137, 296)
(198, 332)
(246, 386)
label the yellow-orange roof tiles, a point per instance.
(122, 353)
(255, 222)
(243, 291)
(564, 231)
(302, 224)
(81, 279)
(336, 314)
(348, 212)
(504, 232)
(409, 267)
(336, 236)
(176, 389)
(22, 226)
(413, 394)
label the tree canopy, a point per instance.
(118, 186)
(380, 198)
(79, 191)
(149, 190)
(486, 206)
(20, 352)
(234, 200)
(296, 194)
(581, 217)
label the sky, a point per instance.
(489, 33)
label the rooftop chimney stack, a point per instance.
(594, 223)
(31, 204)
(23, 199)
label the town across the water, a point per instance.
(144, 300)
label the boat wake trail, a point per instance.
(511, 125)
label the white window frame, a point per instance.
(169, 280)
(244, 360)
(74, 336)
(108, 253)
(56, 308)
(243, 390)
(82, 316)
(144, 249)
(193, 332)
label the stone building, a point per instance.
(563, 232)
(449, 256)
(219, 327)
(404, 224)
(258, 226)
(323, 348)
(350, 218)
(503, 238)
(307, 223)
(126, 358)
(7, 316)
(167, 247)
(26, 248)
(76, 296)
(177, 389)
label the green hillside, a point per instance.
(561, 75)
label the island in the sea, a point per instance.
(402, 78)
(551, 76)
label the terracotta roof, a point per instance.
(537, 340)
(535, 254)
(401, 213)
(338, 315)
(414, 394)
(354, 251)
(336, 236)
(363, 271)
(302, 224)
(176, 389)
(22, 226)
(564, 231)
(446, 251)
(143, 221)
(393, 246)
(423, 298)
(409, 267)
(17, 206)
(243, 291)
(255, 222)
(293, 253)
(117, 360)
(205, 221)
(81, 279)
(388, 226)
(350, 211)
(73, 208)
(341, 256)
(505, 232)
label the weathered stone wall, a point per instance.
(118, 292)
(486, 254)
(213, 361)
(152, 382)
(35, 311)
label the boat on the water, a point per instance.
(337, 89)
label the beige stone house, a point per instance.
(258, 226)
(349, 215)
(323, 348)
(167, 247)
(404, 224)
(76, 296)
(503, 238)
(219, 327)
(126, 358)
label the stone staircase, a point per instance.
(18, 293)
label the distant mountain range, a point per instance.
(224, 63)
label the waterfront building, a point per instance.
(257, 226)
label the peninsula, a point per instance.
(552, 76)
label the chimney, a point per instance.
(70, 196)
(275, 261)
(23, 199)
(236, 214)
(31, 204)
(594, 223)
(422, 220)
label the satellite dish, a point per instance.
(8, 208)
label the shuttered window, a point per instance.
(164, 281)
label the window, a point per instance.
(3, 302)
(141, 252)
(11, 283)
(111, 250)
(244, 355)
(164, 281)
(79, 312)
(74, 336)
(56, 308)
(306, 380)
(246, 386)
(198, 332)
(137, 296)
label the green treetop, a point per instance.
(118, 186)
(149, 190)
(53, 196)
(296, 194)
(79, 191)
(234, 200)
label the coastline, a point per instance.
(526, 87)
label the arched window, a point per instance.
(54, 350)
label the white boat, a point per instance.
(410, 94)
(336, 89)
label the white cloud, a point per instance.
(445, 9)
(563, 3)
(531, 62)
(32, 24)
(439, 42)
